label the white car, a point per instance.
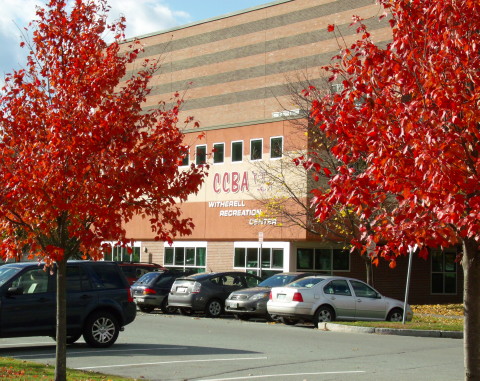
(326, 298)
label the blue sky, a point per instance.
(143, 17)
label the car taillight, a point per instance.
(270, 297)
(149, 291)
(196, 288)
(129, 295)
(297, 297)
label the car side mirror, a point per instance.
(12, 291)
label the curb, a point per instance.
(389, 331)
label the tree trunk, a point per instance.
(368, 269)
(471, 304)
(61, 329)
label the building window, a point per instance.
(201, 155)
(123, 254)
(269, 263)
(218, 153)
(324, 260)
(256, 149)
(276, 147)
(186, 159)
(237, 151)
(444, 272)
(186, 258)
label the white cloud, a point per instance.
(143, 17)
(147, 16)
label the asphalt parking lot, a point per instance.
(175, 347)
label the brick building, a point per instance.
(234, 69)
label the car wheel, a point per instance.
(146, 309)
(244, 317)
(166, 309)
(269, 317)
(288, 321)
(395, 315)
(214, 308)
(186, 311)
(101, 330)
(323, 315)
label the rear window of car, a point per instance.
(277, 280)
(107, 277)
(306, 282)
(147, 278)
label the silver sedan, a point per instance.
(327, 298)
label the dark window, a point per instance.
(240, 258)
(107, 277)
(218, 153)
(237, 151)
(169, 251)
(185, 160)
(305, 259)
(77, 280)
(276, 147)
(201, 155)
(444, 272)
(256, 149)
(325, 260)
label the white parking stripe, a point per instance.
(171, 362)
(251, 377)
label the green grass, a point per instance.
(418, 322)
(12, 369)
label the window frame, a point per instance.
(444, 272)
(271, 148)
(197, 161)
(215, 153)
(251, 149)
(316, 251)
(199, 263)
(241, 153)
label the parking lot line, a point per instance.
(172, 362)
(251, 377)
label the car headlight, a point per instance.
(261, 295)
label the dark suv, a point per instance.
(134, 270)
(99, 301)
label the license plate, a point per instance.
(141, 300)
(281, 296)
(181, 290)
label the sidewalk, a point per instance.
(335, 327)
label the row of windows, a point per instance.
(268, 261)
(237, 148)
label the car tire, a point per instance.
(243, 317)
(214, 308)
(395, 315)
(186, 311)
(323, 314)
(146, 309)
(166, 309)
(288, 321)
(101, 329)
(269, 317)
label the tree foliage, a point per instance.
(411, 111)
(78, 156)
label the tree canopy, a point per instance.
(78, 156)
(410, 111)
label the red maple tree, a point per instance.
(410, 111)
(78, 155)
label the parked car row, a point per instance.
(287, 297)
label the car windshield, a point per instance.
(6, 273)
(306, 282)
(277, 280)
